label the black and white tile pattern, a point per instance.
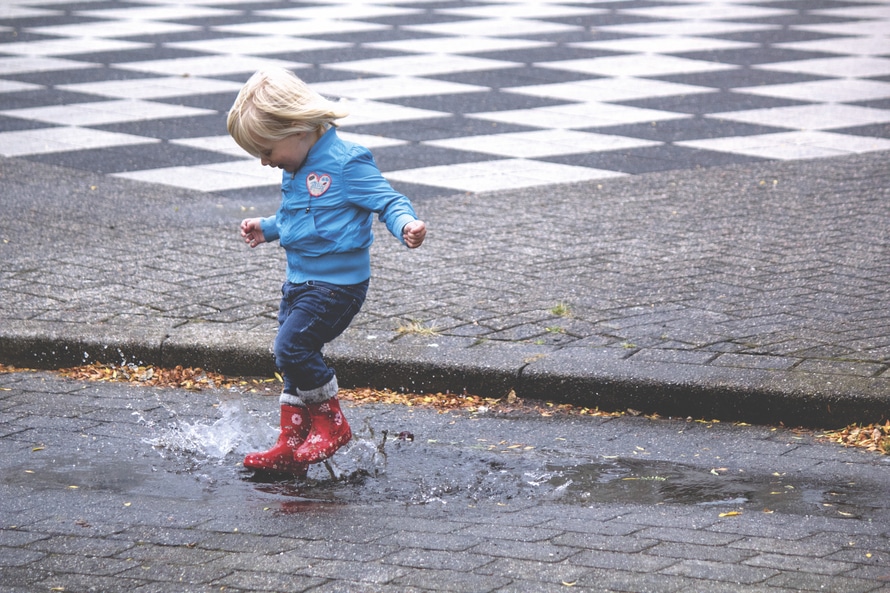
(451, 96)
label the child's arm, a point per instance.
(252, 231)
(414, 233)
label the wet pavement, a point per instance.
(114, 487)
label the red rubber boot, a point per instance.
(328, 432)
(280, 458)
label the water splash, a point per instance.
(236, 432)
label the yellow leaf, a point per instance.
(570, 584)
(38, 449)
(730, 514)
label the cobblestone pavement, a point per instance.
(693, 268)
(110, 487)
(709, 294)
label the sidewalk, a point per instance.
(750, 292)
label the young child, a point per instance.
(330, 190)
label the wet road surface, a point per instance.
(111, 487)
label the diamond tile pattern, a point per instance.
(452, 96)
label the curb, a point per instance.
(605, 378)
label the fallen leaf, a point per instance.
(730, 514)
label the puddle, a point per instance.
(78, 473)
(378, 467)
(657, 482)
(199, 460)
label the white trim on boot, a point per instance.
(289, 399)
(319, 394)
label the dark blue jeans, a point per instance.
(311, 315)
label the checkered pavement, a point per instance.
(451, 96)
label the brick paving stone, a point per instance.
(438, 560)
(717, 553)
(810, 582)
(608, 543)
(720, 571)
(688, 536)
(263, 581)
(619, 580)
(448, 580)
(643, 562)
(533, 572)
(799, 563)
(518, 548)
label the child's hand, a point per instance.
(414, 233)
(252, 231)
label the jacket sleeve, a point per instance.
(368, 189)
(269, 226)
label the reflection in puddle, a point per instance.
(653, 482)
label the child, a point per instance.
(330, 190)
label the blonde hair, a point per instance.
(274, 104)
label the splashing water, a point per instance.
(236, 432)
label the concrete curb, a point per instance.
(604, 378)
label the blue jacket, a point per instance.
(327, 207)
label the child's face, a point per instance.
(288, 153)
